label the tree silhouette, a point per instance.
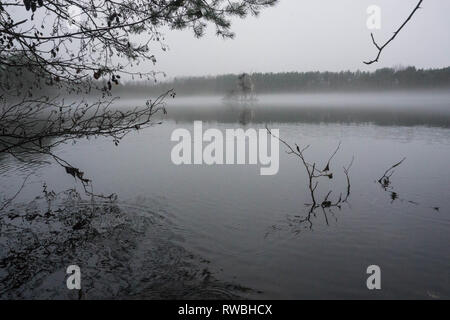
(52, 48)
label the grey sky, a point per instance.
(308, 35)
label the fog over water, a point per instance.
(428, 108)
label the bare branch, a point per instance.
(7, 202)
(346, 171)
(380, 48)
(314, 174)
(384, 180)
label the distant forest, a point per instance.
(266, 83)
(384, 79)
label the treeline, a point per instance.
(266, 83)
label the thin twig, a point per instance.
(388, 173)
(346, 171)
(380, 48)
(314, 174)
(8, 201)
(327, 167)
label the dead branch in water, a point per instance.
(385, 182)
(385, 179)
(346, 171)
(315, 174)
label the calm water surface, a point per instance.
(226, 231)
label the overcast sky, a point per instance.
(308, 35)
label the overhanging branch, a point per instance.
(380, 48)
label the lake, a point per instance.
(225, 231)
